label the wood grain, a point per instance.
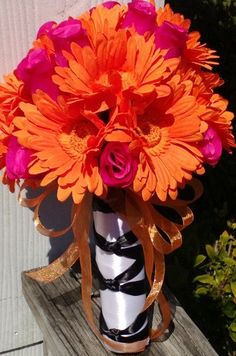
(58, 310)
(34, 350)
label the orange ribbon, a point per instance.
(157, 234)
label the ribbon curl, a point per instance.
(157, 234)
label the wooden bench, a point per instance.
(58, 310)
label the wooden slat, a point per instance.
(58, 310)
(33, 350)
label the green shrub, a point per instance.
(218, 279)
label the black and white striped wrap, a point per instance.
(123, 285)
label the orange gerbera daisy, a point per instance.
(215, 114)
(3, 143)
(102, 20)
(119, 64)
(167, 14)
(213, 108)
(6, 129)
(198, 54)
(203, 82)
(64, 146)
(166, 135)
(11, 94)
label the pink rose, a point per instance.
(172, 37)
(110, 4)
(211, 146)
(117, 165)
(63, 35)
(46, 28)
(17, 160)
(142, 15)
(36, 70)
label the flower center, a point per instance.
(150, 131)
(75, 136)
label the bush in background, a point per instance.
(217, 280)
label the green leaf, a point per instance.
(231, 225)
(229, 310)
(199, 259)
(227, 288)
(205, 278)
(233, 327)
(201, 291)
(232, 335)
(210, 252)
(219, 276)
(233, 288)
(229, 261)
(224, 237)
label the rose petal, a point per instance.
(142, 15)
(211, 146)
(36, 70)
(172, 37)
(46, 28)
(64, 34)
(17, 160)
(110, 4)
(117, 165)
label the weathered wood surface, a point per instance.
(58, 310)
(32, 350)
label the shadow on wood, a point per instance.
(58, 310)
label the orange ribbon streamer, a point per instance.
(157, 234)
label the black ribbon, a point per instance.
(120, 284)
(130, 334)
(121, 246)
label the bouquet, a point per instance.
(115, 109)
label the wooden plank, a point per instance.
(21, 249)
(33, 350)
(58, 310)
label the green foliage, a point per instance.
(218, 280)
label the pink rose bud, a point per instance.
(211, 146)
(110, 4)
(46, 28)
(64, 34)
(117, 165)
(17, 160)
(36, 70)
(172, 37)
(142, 15)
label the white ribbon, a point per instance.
(119, 309)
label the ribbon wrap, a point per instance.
(158, 235)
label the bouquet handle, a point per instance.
(123, 285)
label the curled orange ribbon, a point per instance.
(157, 234)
